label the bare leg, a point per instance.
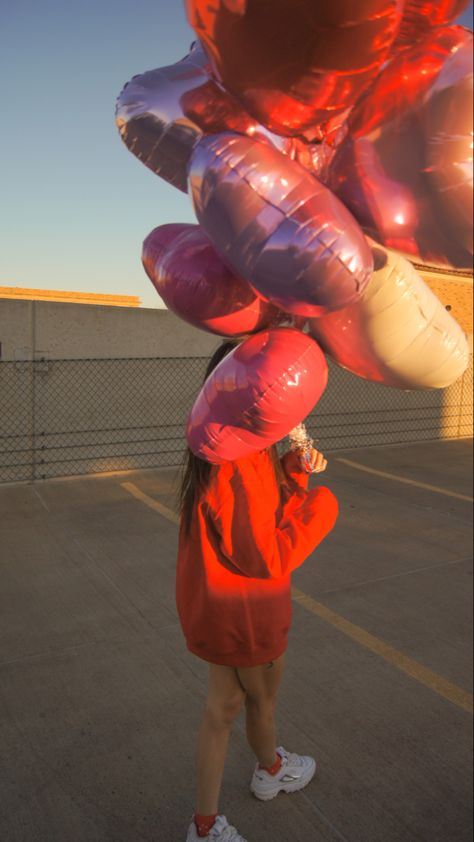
(261, 686)
(224, 701)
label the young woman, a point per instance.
(245, 525)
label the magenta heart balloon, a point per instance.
(192, 280)
(256, 395)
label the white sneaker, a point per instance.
(221, 831)
(294, 774)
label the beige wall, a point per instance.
(63, 331)
(56, 330)
(116, 411)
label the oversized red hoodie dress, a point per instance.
(233, 584)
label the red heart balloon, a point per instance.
(419, 16)
(404, 168)
(296, 65)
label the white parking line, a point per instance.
(405, 480)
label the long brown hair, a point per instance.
(196, 472)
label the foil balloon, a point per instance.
(398, 333)
(151, 120)
(296, 66)
(256, 395)
(193, 282)
(276, 226)
(299, 128)
(421, 16)
(157, 243)
(447, 124)
(162, 113)
(393, 170)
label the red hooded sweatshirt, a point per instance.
(233, 584)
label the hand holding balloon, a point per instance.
(313, 461)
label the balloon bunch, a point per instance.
(323, 145)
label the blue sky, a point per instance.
(76, 205)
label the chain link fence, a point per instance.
(72, 417)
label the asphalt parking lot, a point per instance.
(100, 701)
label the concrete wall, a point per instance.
(59, 331)
(88, 389)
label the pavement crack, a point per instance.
(116, 587)
(324, 818)
(43, 503)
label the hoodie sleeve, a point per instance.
(291, 465)
(260, 543)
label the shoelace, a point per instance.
(227, 832)
(289, 758)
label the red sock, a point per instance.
(272, 770)
(204, 824)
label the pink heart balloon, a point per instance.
(192, 280)
(256, 395)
